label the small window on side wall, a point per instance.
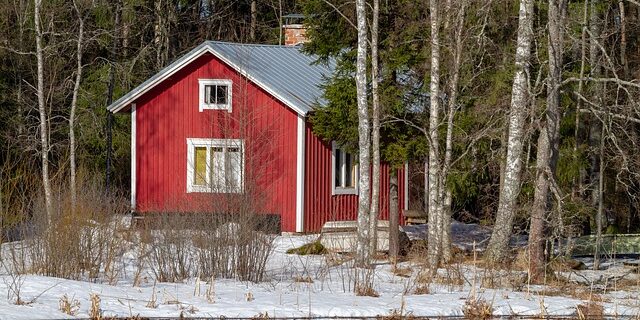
(344, 172)
(215, 94)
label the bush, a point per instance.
(78, 242)
(314, 248)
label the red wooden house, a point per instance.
(228, 118)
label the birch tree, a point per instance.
(548, 140)
(363, 253)
(510, 187)
(44, 136)
(375, 134)
(435, 212)
(74, 103)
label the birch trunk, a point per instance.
(434, 244)
(451, 108)
(254, 18)
(548, 141)
(375, 135)
(510, 189)
(394, 213)
(72, 114)
(44, 135)
(362, 250)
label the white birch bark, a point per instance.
(435, 213)
(72, 113)
(375, 135)
(510, 188)
(44, 135)
(362, 249)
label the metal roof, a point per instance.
(284, 71)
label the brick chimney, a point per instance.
(293, 30)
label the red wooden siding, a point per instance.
(320, 205)
(167, 115)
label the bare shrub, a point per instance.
(232, 239)
(170, 250)
(364, 285)
(81, 241)
(477, 309)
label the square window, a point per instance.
(344, 172)
(215, 94)
(215, 165)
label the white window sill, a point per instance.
(339, 191)
(215, 107)
(205, 189)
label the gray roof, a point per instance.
(284, 71)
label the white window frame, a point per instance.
(203, 105)
(192, 143)
(337, 190)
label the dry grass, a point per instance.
(421, 289)
(69, 306)
(302, 279)
(477, 309)
(402, 272)
(95, 312)
(366, 291)
(589, 310)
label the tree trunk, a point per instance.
(596, 128)
(44, 135)
(577, 189)
(375, 134)
(254, 18)
(110, 89)
(364, 143)
(452, 105)
(72, 114)
(548, 141)
(434, 244)
(623, 40)
(510, 189)
(394, 213)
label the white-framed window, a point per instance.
(344, 171)
(215, 165)
(215, 94)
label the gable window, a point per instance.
(215, 94)
(344, 171)
(215, 165)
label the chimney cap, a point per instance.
(293, 19)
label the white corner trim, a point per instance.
(133, 157)
(202, 105)
(300, 162)
(406, 186)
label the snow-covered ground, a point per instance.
(287, 292)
